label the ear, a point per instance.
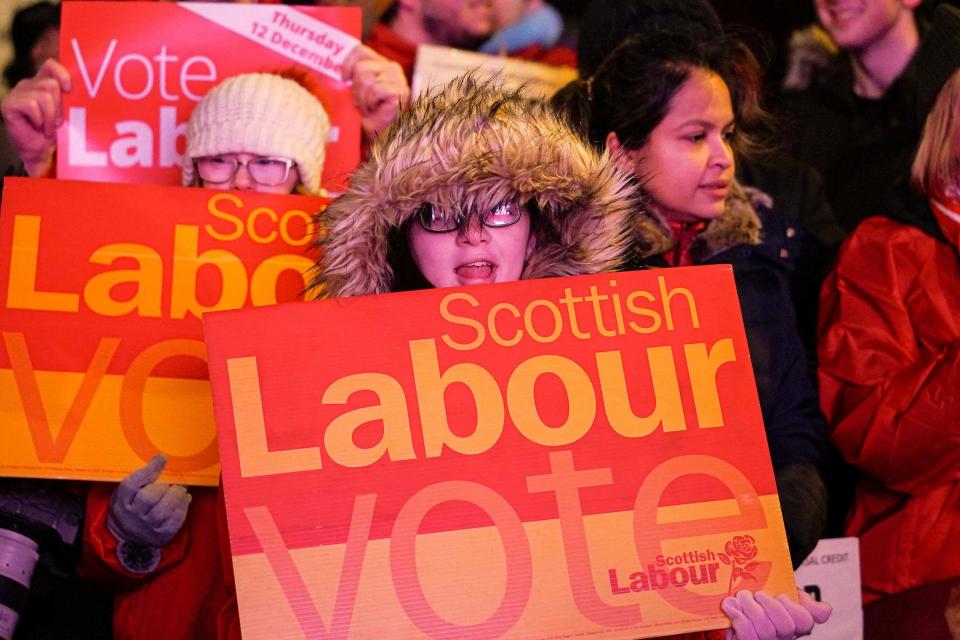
(626, 159)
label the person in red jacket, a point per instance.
(890, 352)
(156, 543)
(149, 540)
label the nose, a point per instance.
(722, 155)
(242, 180)
(472, 231)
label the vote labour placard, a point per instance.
(139, 69)
(560, 458)
(102, 362)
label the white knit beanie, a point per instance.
(264, 114)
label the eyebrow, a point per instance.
(705, 124)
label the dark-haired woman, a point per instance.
(668, 106)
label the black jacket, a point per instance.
(861, 147)
(756, 242)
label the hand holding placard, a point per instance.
(380, 90)
(762, 617)
(33, 111)
(145, 511)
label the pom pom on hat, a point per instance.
(263, 114)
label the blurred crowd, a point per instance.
(814, 145)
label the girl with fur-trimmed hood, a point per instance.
(475, 185)
(469, 170)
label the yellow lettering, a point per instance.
(255, 458)
(252, 225)
(263, 283)
(655, 320)
(285, 227)
(433, 410)
(668, 407)
(186, 264)
(665, 296)
(223, 215)
(702, 368)
(557, 321)
(468, 322)
(22, 286)
(492, 324)
(392, 411)
(148, 278)
(521, 400)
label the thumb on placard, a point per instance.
(819, 610)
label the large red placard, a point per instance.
(102, 287)
(541, 459)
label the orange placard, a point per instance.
(139, 68)
(562, 458)
(102, 286)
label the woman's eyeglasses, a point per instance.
(262, 169)
(437, 220)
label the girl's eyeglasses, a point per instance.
(437, 220)
(263, 170)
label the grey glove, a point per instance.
(146, 512)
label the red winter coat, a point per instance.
(186, 596)
(890, 387)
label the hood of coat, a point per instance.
(738, 224)
(466, 147)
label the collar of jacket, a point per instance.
(738, 225)
(913, 209)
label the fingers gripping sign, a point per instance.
(762, 617)
(146, 512)
(33, 111)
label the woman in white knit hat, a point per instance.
(258, 131)
(263, 132)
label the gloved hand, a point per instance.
(761, 617)
(147, 512)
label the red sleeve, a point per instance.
(889, 364)
(99, 561)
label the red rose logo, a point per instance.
(741, 549)
(739, 552)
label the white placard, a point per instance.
(832, 573)
(439, 65)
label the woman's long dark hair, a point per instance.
(631, 90)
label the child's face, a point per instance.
(472, 254)
(687, 163)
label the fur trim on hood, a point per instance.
(467, 147)
(739, 224)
